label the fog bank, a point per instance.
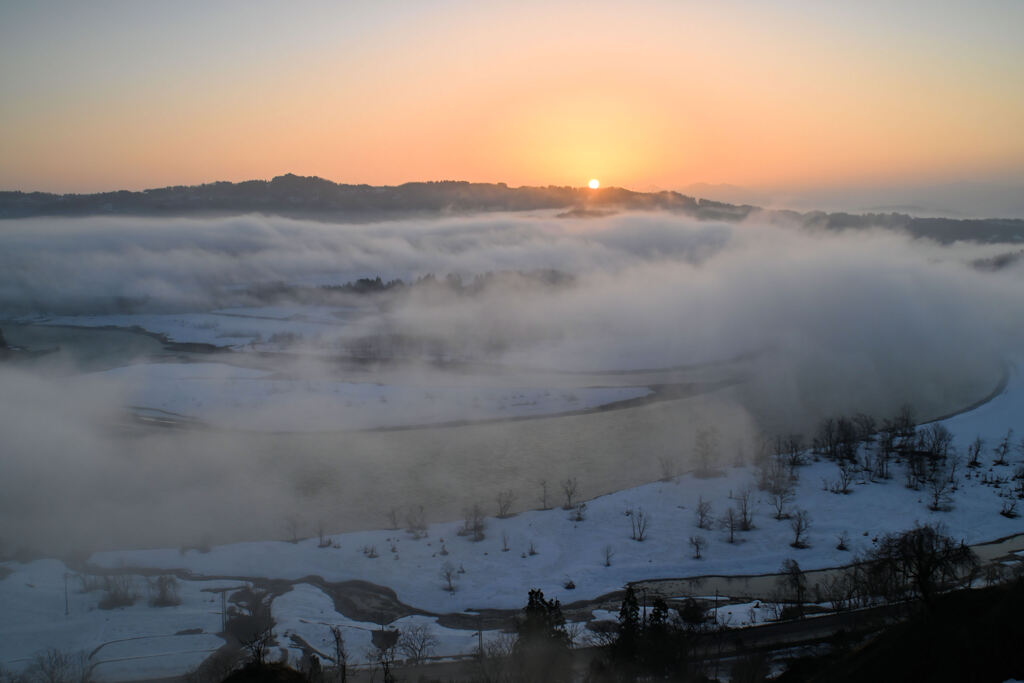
(824, 324)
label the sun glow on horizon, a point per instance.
(594, 184)
(798, 103)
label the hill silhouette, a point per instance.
(317, 198)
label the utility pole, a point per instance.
(480, 635)
(718, 630)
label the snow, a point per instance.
(122, 643)
(739, 615)
(565, 549)
(236, 328)
(575, 550)
(309, 613)
(992, 419)
(244, 398)
(154, 656)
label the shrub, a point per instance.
(163, 592)
(118, 591)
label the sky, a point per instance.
(649, 94)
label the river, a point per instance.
(128, 485)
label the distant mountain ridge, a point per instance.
(292, 194)
(313, 197)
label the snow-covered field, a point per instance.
(309, 613)
(242, 398)
(159, 641)
(489, 576)
(237, 328)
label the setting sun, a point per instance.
(594, 183)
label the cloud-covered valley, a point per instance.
(825, 322)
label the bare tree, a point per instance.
(939, 485)
(703, 514)
(251, 622)
(698, 543)
(393, 518)
(291, 525)
(794, 453)
(846, 474)
(639, 521)
(1003, 449)
(257, 643)
(496, 660)
(579, 512)
(954, 461)
(416, 522)
(448, 574)
(914, 470)
(744, 510)
(780, 501)
(994, 574)
(163, 591)
(731, 522)
(417, 643)
(505, 500)
(54, 666)
(773, 473)
(795, 581)
(847, 442)
(608, 555)
(384, 641)
(569, 487)
(322, 540)
(340, 655)
(504, 542)
(841, 589)
(800, 522)
(884, 447)
(825, 443)
(974, 452)
(905, 423)
(574, 632)
(118, 591)
(705, 450)
(866, 427)
(544, 504)
(921, 562)
(937, 440)
(866, 466)
(668, 467)
(473, 524)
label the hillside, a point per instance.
(312, 197)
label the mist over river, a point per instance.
(83, 474)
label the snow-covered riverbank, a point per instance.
(545, 549)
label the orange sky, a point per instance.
(133, 95)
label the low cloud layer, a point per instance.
(70, 266)
(837, 322)
(649, 289)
